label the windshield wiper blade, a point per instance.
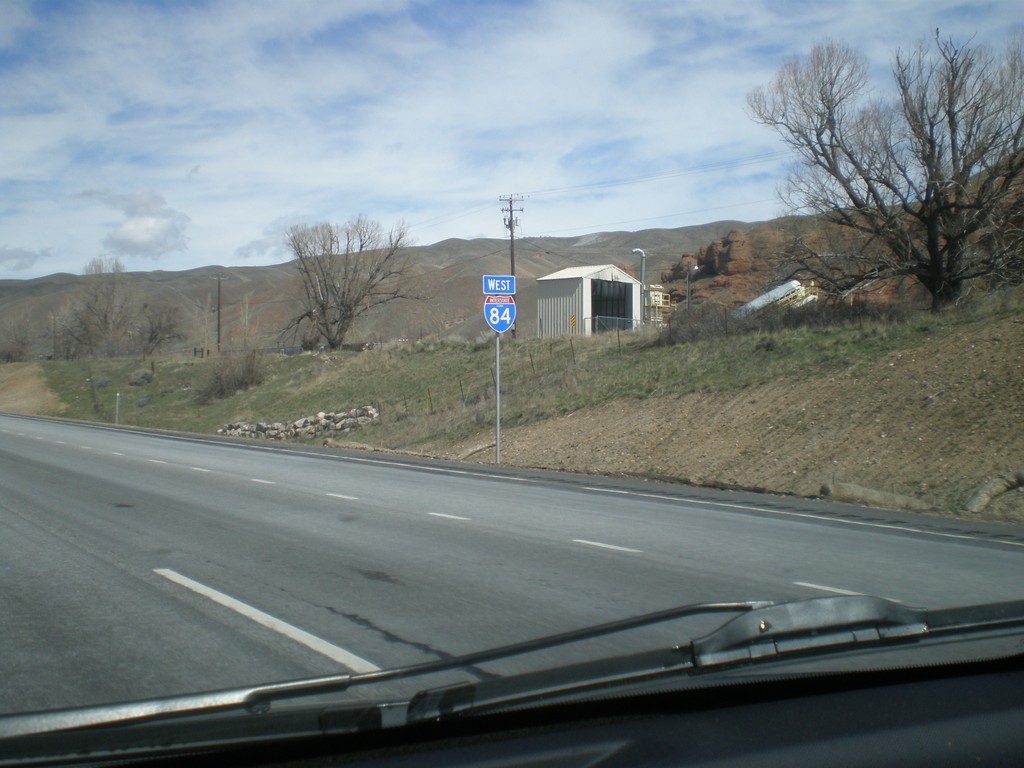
(764, 631)
(257, 699)
(770, 632)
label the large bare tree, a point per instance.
(108, 315)
(158, 324)
(100, 318)
(345, 271)
(932, 176)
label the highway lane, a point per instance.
(107, 533)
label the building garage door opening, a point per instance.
(582, 300)
(612, 304)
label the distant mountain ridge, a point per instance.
(257, 302)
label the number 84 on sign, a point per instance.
(500, 312)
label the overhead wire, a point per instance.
(590, 227)
(680, 172)
(718, 166)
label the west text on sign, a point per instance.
(499, 285)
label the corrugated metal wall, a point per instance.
(559, 302)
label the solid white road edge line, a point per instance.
(808, 515)
(607, 546)
(314, 643)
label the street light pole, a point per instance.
(696, 267)
(643, 284)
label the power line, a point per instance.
(445, 217)
(706, 168)
(591, 227)
(722, 165)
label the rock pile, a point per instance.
(322, 423)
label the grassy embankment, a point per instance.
(441, 393)
(445, 389)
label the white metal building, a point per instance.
(584, 300)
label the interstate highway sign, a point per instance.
(500, 312)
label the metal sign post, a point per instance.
(500, 315)
(497, 398)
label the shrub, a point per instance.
(712, 321)
(229, 374)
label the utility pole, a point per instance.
(218, 313)
(510, 224)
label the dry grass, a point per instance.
(930, 406)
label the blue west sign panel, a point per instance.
(499, 285)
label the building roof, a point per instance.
(582, 273)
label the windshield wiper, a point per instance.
(808, 625)
(257, 699)
(764, 631)
(767, 633)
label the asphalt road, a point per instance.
(136, 565)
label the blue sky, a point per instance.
(181, 134)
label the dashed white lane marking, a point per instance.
(199, 469)
(838, 591)
(447, 517)
(264, 482)
(156, 461)
(823, 588)
(116, 453)
(342, 496)
(607, 546)
(321, 646)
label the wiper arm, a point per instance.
(808, 625)
(764, 631)
(259, 698)
(769, 632)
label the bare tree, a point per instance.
(100, 319)
(158, 324)
(345, 271)
(932, 177)
(15, 341)
(841, 261)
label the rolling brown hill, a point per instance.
(256, 302)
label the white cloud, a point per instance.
(247, 115)
(150, 228)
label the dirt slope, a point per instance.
(23, 390)
(933, 424)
